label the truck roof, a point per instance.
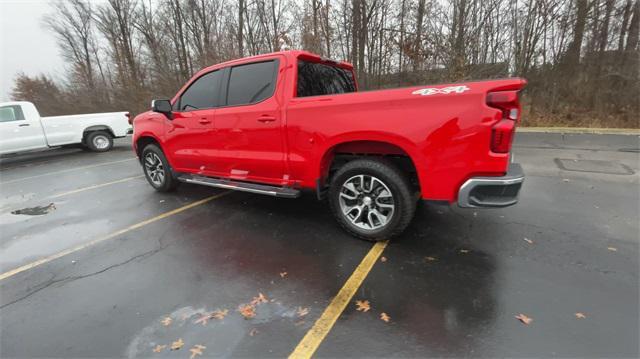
(293, 54)
(14, 103)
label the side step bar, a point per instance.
(241, 186)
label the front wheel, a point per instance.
(372, 199)
(157, 169)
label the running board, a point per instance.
(241, 186)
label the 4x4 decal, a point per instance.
(445, 90)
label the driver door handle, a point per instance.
(204, 121)
(23, 125)
(266, 119)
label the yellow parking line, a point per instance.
(94, 187)
(67, 170)
(65, 252)
(323, 325)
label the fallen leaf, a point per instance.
(299, 323)
(204, 319)
(464, 251)
(383, 259)
(385, 317)
(253, 332)
(196, 350)
(580, 315)
(247, 311)
(523, 318)
(177, 344)
(159, 348)
(302, 311)
(283, 274)
(612, 249)
(431, 259)
(259, 299)
(528, 240)
(166, 321)
(219, 314)
(362, 305)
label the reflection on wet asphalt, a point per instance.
(451, 285)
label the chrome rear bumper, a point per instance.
(492, 191)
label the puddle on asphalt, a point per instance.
(35, 211)
(231, 329)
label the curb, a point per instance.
(581, 130)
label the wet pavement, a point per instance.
(451, 285)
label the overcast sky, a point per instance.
(27, 46)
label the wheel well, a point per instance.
(342, 153)
(88, 130)
(142, 142)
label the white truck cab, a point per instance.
(22, 129)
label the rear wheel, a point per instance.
(157, 169)
(99, 141)
(372, 199)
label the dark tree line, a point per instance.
(581, 57)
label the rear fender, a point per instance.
(367, 143)
(89, 129)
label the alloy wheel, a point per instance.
(367, 202)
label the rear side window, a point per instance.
(315, 79)
(202, 93)
(11, 113)
(251, 83)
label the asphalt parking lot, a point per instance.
(96, 264)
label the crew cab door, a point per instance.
(249, 138)
(189, 138)
(20, 129)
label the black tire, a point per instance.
(154, 162)
(385, 172)
(99, 141)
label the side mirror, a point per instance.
(163, 107)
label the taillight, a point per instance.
(502, 135)
(129, 119)
(502, 132)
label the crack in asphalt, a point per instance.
(70, 279)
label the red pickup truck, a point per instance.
(280, 123)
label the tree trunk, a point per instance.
(573, 52)
(240, 28)
(632, 38)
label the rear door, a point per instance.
(189, 135)
(20, 131)
(249, 136)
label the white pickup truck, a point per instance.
(22, 129)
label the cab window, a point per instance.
(251, 83)
(316, 79)
(202, 93)
(11, 113)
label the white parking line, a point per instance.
(67, 170)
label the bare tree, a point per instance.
(581, 57)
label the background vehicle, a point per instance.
(22, 129)
(282, 122)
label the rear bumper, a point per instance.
(478, 192)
